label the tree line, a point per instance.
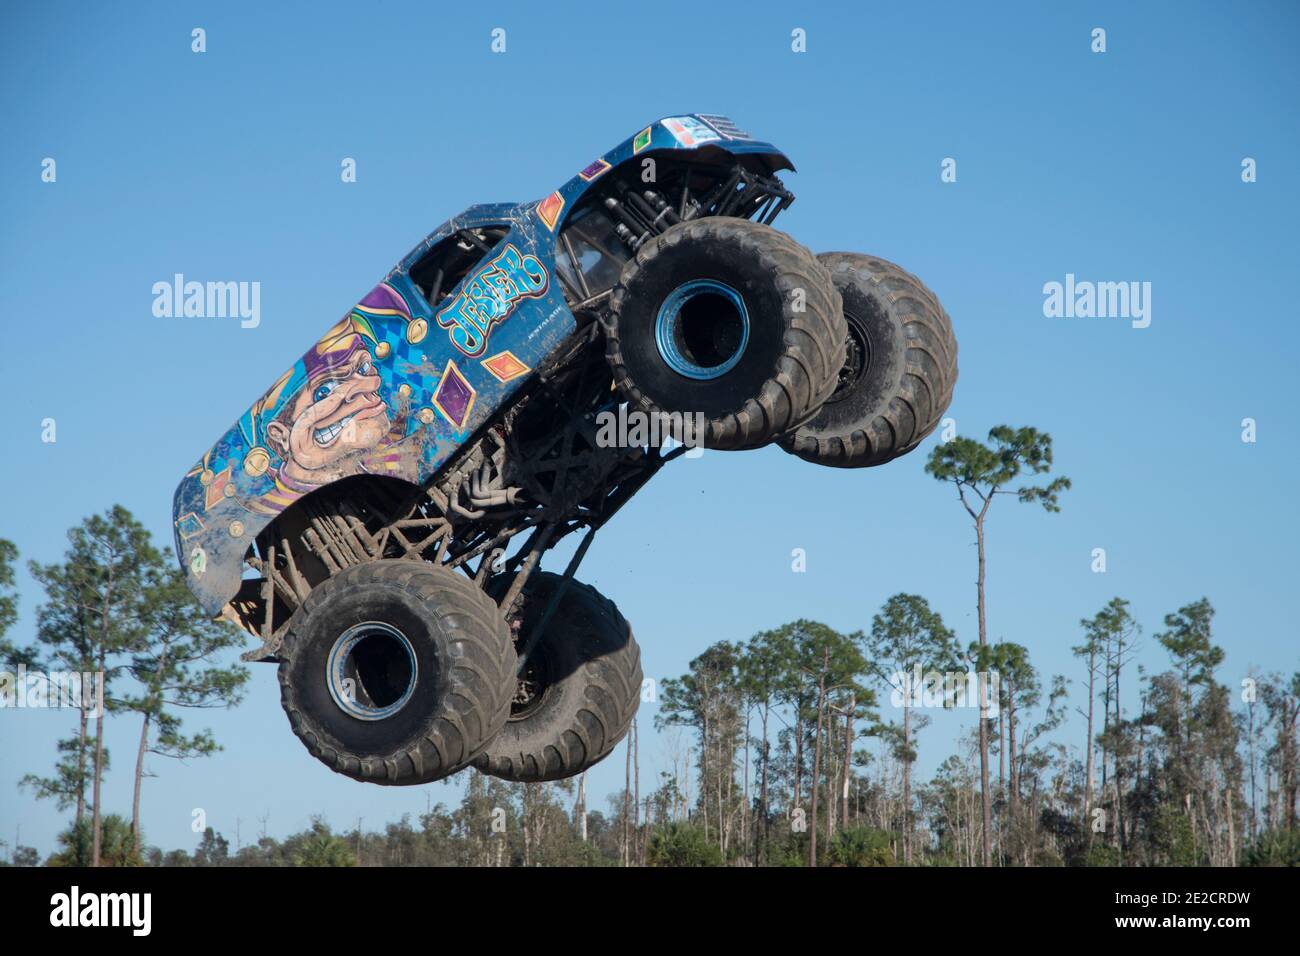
(779, 750)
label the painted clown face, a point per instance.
(332, 422)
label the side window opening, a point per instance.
(442, 268)
(589, 255)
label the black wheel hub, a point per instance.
(532, 687)
(856, 361)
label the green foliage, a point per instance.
(94, 597)
(1188, 640)
(71, 777)
(113, 606)
(681, 844)
(983, 470)
(773, 727)
(1018, 683)
(790, 851)
(93, 616)
(119, 845)
(25, 856)
(10, 654)
(213, 850)
(1276, 847)
(174, 664)
(1111, 623)
(766, 664)
(321, 847)
(687, 700)
(1100, 855)
(22, 856)
(861, 846)
(1172, 837)
(907, 633)
(8, 596)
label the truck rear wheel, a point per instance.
(730, 320)
(579, 691)
(899, 374)
(397, 672)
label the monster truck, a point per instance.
(377, 518)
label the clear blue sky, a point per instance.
(1118, 166)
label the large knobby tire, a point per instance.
(397, 672)
(728, 319)
(899, 374)
(581, 686)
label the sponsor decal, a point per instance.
(688, 131)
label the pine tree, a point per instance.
(980, 473)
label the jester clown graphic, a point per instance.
(323, 419)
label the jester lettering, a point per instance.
(489, 297)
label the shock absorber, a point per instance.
(628, 227)
(661, 216)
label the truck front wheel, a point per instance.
(397, 672)
(726, 324)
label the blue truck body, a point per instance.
(397, 386)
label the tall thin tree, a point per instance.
(980, 473)
(908, 641)
(92, 618)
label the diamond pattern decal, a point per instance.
(548, 210)
(504, 366)
(189, 525)
(455, 396)
(594, 170)
(216, 489)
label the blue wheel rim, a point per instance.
(338, 677)
(668, 325)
